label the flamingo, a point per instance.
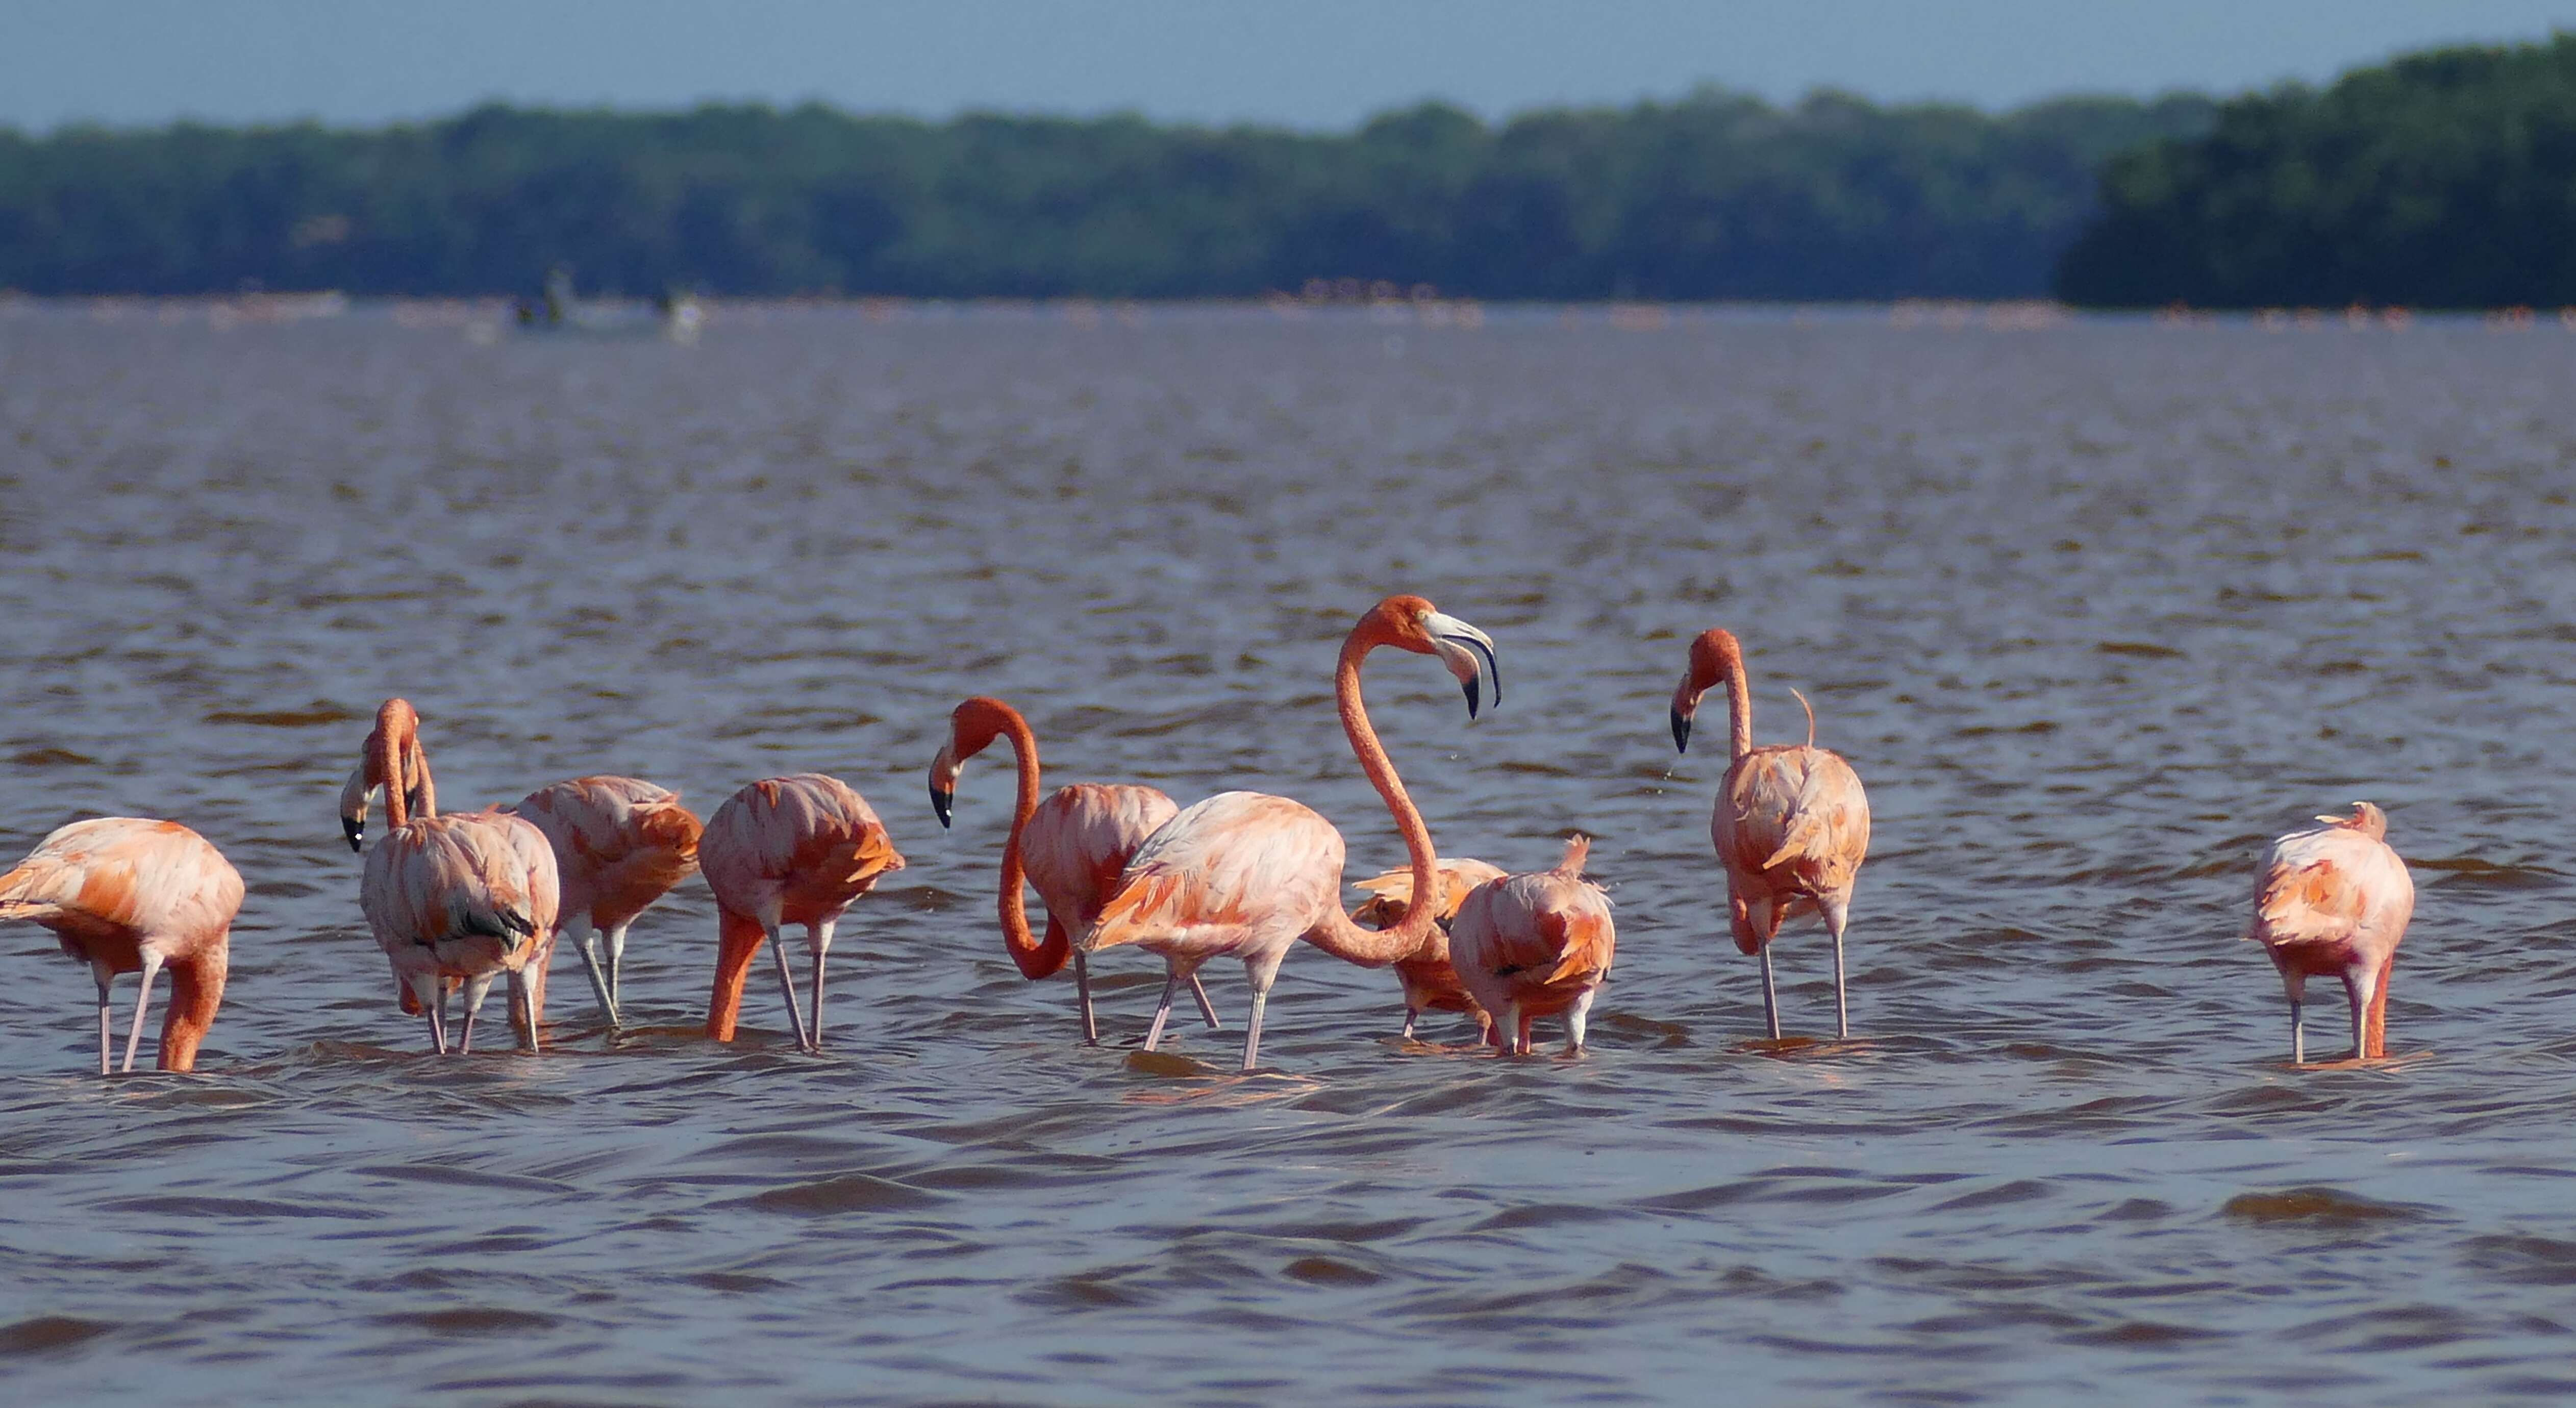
(1245, 875)
(1071, 846)
(461, 899)
(1791, 824)
(786, 850)
(124, 894)
(1430, 984)
(1536, 945)
(2333, 901)
(620, 844)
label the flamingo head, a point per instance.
(398, 721)
(2366, 818)
(972, 727)
(1715, 657)
(1411, 623)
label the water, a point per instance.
(2094, 610)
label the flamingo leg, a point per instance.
(617, 965)
(1575, 1019)
(2357, 992)
(477, 988)
(1521, 1025)
(1207, 1009)
(1162, 1012)
(106, 1023)
(818, 1000)
(787, 987)
(142, 1004)
(1842, 1005)
(1082, 991)
(523, 995)
(1252, 1026)
(1409, 1014)
(1770, 996)
(585, 944)
(431, 994)
(2298, 1036)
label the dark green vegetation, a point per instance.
(2445, 180)
(1716, 196)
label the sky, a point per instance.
(1301, 63)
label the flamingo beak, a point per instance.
(1469, 654)
(1681, 731)
(943, 781)
(355, 828)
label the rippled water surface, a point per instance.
(2094, 610)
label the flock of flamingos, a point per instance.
(458, 900)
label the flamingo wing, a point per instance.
(620, 843)
(445, 879)
(2328, 887)
(807, 843)
(1391, 892)
(127, 875)
(1079, 841)
(1220, 869)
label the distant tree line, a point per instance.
(1717, 195)
(2445, 179)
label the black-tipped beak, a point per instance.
(356, 831)
(1488, 669)
(940, 802)
(1681, 731)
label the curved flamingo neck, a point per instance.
(1035, 959)
(1335, 933)
(397, 742)
(1739, 707)
(196, 990)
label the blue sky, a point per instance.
(1308, 63)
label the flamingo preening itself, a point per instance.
(786, 850)
(127, 895)
(1791, 824)
(1072, 847)
(2333, 901)
(1535, 945)
(459, 900)
(1245, 875)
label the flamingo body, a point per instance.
(1791, 824)
(786, 850)
(619, 844)
(1791, 828)
(468, 897)
(1536, 945)
(1429, 981)
(125, 895)
(2333, 901)
(1076, 845)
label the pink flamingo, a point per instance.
(620, 844)
(2333, 901)
(127, 895)
(786, 850)
(461, 899)
(1430, 983)
(1536, 945)
(1791, 824)
(1245, 875)
(1072, 846)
